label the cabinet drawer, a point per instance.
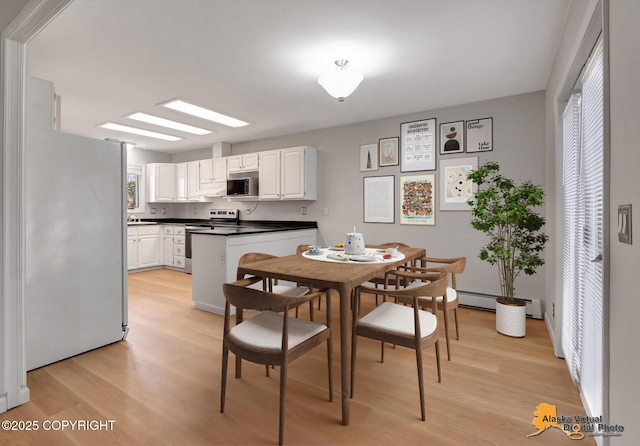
(168, 230)
(132, 231)
(178, 239)
(178, 261)
(178, 250)
(178, 230)
(148, 230)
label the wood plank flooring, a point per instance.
(162, 386)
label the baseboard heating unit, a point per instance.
(488, 302)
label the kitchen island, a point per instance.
(216, 252)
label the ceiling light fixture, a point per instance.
(137, 131)
(342, 82)
(162, 122)
(204, 113)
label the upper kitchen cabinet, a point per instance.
(288, 174)
(187, 181)
(161, 182)
(249, 162)
(213, 175)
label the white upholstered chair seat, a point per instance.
(398, 319)
(264, 331)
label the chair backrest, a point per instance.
(252, 257)
(434, 285)
(301, 248)
(240, 296)
(451, 266)
(393, 245)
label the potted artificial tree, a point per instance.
(504, 211)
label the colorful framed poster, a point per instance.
(455, 188)
(368, 157)
(418, 145)
(379, 199)
(417, 200)
(451, 137)
(480, 135)
(389, 151)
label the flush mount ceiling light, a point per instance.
(342, 82)
(137, 131)
(204, 113)
(162, 122)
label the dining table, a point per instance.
(343, 277)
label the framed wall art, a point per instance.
(418, 145)
(368, 157)
(417, 200)
(480, 135)
(389, 151)
(455, 188)
(379, 199)
(451, 137)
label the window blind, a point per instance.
(583, 195)
(572, 233)
(592, 172)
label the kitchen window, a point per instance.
(135, 189)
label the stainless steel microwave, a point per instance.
(239, 187)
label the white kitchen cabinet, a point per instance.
(269, 176)
(219, 170)
(187, 181)
(168, 250)
(206, 172)
(132, 252)
(181, 182)
(288, 174)
(213, 176)
(143, 246)
(174, 246)
(193, 180)
(161, 182)
(249, 162)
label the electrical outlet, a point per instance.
(222, 260)
(195, 210)
(325, 211)
(164, 210)
(304, 210)
(153, 210)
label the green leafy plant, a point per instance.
(504, 211)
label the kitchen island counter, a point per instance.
(215, 259)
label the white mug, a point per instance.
(354, 243)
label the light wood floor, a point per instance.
(162, 386)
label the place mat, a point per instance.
(327, 255)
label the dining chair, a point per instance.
(403, 323)
(451, 267)
(270, 337)
(386, 280)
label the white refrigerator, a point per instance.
(75, 262)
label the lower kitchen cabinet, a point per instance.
(174, 246)
(143, 246)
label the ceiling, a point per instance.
(259, 60)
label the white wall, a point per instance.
(518, 136)
(624, 305)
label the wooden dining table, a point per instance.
(340, 276)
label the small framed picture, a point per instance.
(389, 151)
(451, 137)
(368, 157)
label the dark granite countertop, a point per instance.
(243, 228)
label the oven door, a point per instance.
(188, 230)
